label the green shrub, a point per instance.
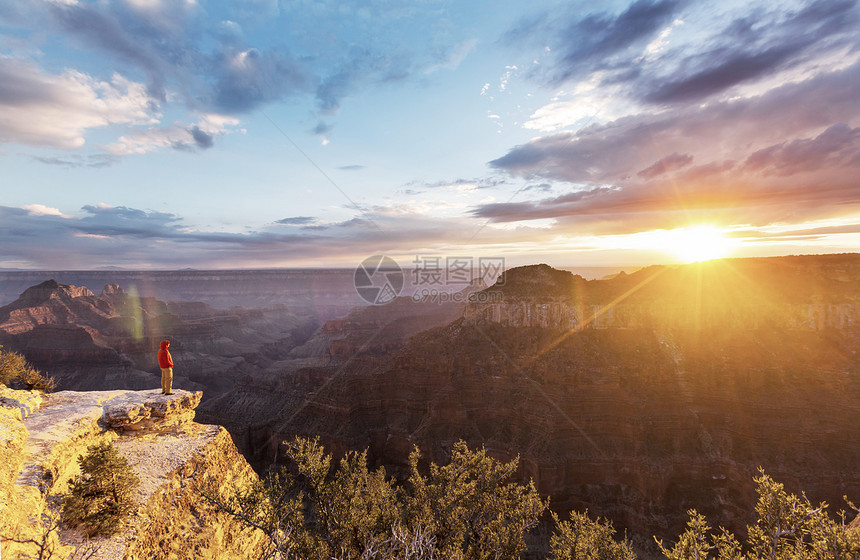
(582, 538)
(102, 496)
(470, 509)
(14, 367)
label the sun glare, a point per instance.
(698, 243)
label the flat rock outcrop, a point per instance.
(43, 435)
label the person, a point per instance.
(165, 362)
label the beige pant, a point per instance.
(166, 380)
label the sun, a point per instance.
(698, 243)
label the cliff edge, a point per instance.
(41, 436)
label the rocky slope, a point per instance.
(282, 385)
(638, 397)
(242, 358)
(110, 340)
(41, 436)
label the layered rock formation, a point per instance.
(329, 293)
(282, 385)
(808, 293)
(43, 435)
(638, 397)
(110, 340)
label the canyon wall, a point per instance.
(687, 381)
(570, 315)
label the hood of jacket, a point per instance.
(165, 344)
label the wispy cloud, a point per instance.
(199, 136)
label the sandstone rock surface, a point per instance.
(171, 454)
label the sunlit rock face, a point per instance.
(806, 293)
(637, 397)
(43, 435)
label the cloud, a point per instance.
(103, 235)
(631, 61)
(487, 182)
(178, 57)
(42, 210)
(542, 187)
(322, 128)
(748, 52)
(362, 66)
(204, 140)
(200, 136)
(73, 161)
(106, 221)
(838, 146)
(351, 167)
(772, 157)
(455, 57)
(56, 110)
(249, 78)
(669, 163)
(595, 41)
(297, 221)
(121, 32)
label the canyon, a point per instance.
(636, 397)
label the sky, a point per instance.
(157, 134)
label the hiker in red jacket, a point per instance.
(165, 362)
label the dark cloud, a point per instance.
(542, 187)
(535, 210)
(202, 139)
(322, 128)
(669, 163)
(764, 41)
(250, 78)
(774, 157)
(74, 160)
(739, 68)
(748, 53)
(361, 66)
(120, 220)
(837, 146)
(487, 182)
(592, 41)
(296, 220)
(615, 151)
(119, 32)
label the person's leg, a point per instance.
(169, 382)
(164, 374)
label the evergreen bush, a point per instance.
(102, 496)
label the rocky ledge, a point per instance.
(41, 437)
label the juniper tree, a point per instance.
(103, 495)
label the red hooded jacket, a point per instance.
(165, 360)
